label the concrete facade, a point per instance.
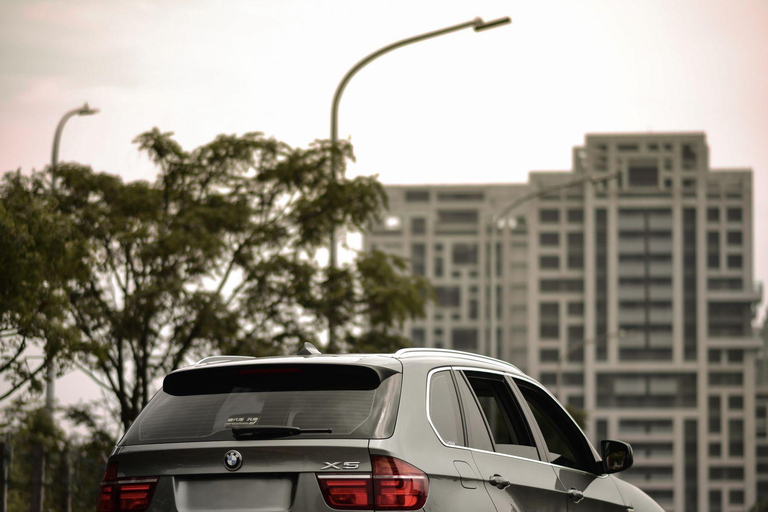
(630, 295)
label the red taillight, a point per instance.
(397, 485)
(393, 485)
(124, 494)
(347, 491)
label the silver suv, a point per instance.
(422, 429)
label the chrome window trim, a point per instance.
(429, 418)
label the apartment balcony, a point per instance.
(753, 293)
(631, 293)
(660, 245)
(632, 316)
(660, 292)
(633, 269)
(661, 316)
(661, 268)
(632, 246)
(631, 222)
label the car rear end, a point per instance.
(270, 435)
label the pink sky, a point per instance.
(467, 107)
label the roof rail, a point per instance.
(221, 359)
(445, 351)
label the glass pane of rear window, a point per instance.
(348, 400)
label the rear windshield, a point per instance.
(205, 404)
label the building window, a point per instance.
(713, 214)
(416, 196)
(715, 500)
(473, 309)
(643, 175)
(460, 196)
(418, 259)
(549, 262)
(549, 216)
(448, 296)
(438, 266)
(734, 238)
(734, 261)
(457, 216)
(734, 215)
(417, 336)
(736, 402)
(549, 320)
(464, 254)
(713, 260)
(418, 225)
(575, 261)
(576, 216)
(464, 339)
(549, 239)
(575, 309)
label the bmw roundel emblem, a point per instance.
(233, 460)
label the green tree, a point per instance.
(39, 256)
(82, 459)
(220, 253)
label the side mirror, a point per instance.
(617, 456)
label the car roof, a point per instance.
(393, 361)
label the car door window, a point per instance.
(566, 444)
(444, 409)
(502, 414)
(477, 431)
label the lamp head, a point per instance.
(87, 111)
(485, 25)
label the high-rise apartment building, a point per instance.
(761, 417)
(625, 285)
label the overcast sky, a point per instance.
(465, 107)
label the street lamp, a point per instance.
(493, 348)
(85, 110)
(477, 24)
(38, 463)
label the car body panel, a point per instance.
(281, 474)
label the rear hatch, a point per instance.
(255, 437)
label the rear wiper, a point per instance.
(272, 431)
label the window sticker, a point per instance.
(242, 420)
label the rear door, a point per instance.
(570, 454)
(503, 446)
(260, 437)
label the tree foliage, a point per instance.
(219, 254)
(40, 254)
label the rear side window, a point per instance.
(503, 415)
(444, 409)
(477, 430)
(204, 404)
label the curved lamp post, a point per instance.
(38, 455)
(477, 24)
(85, 110)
